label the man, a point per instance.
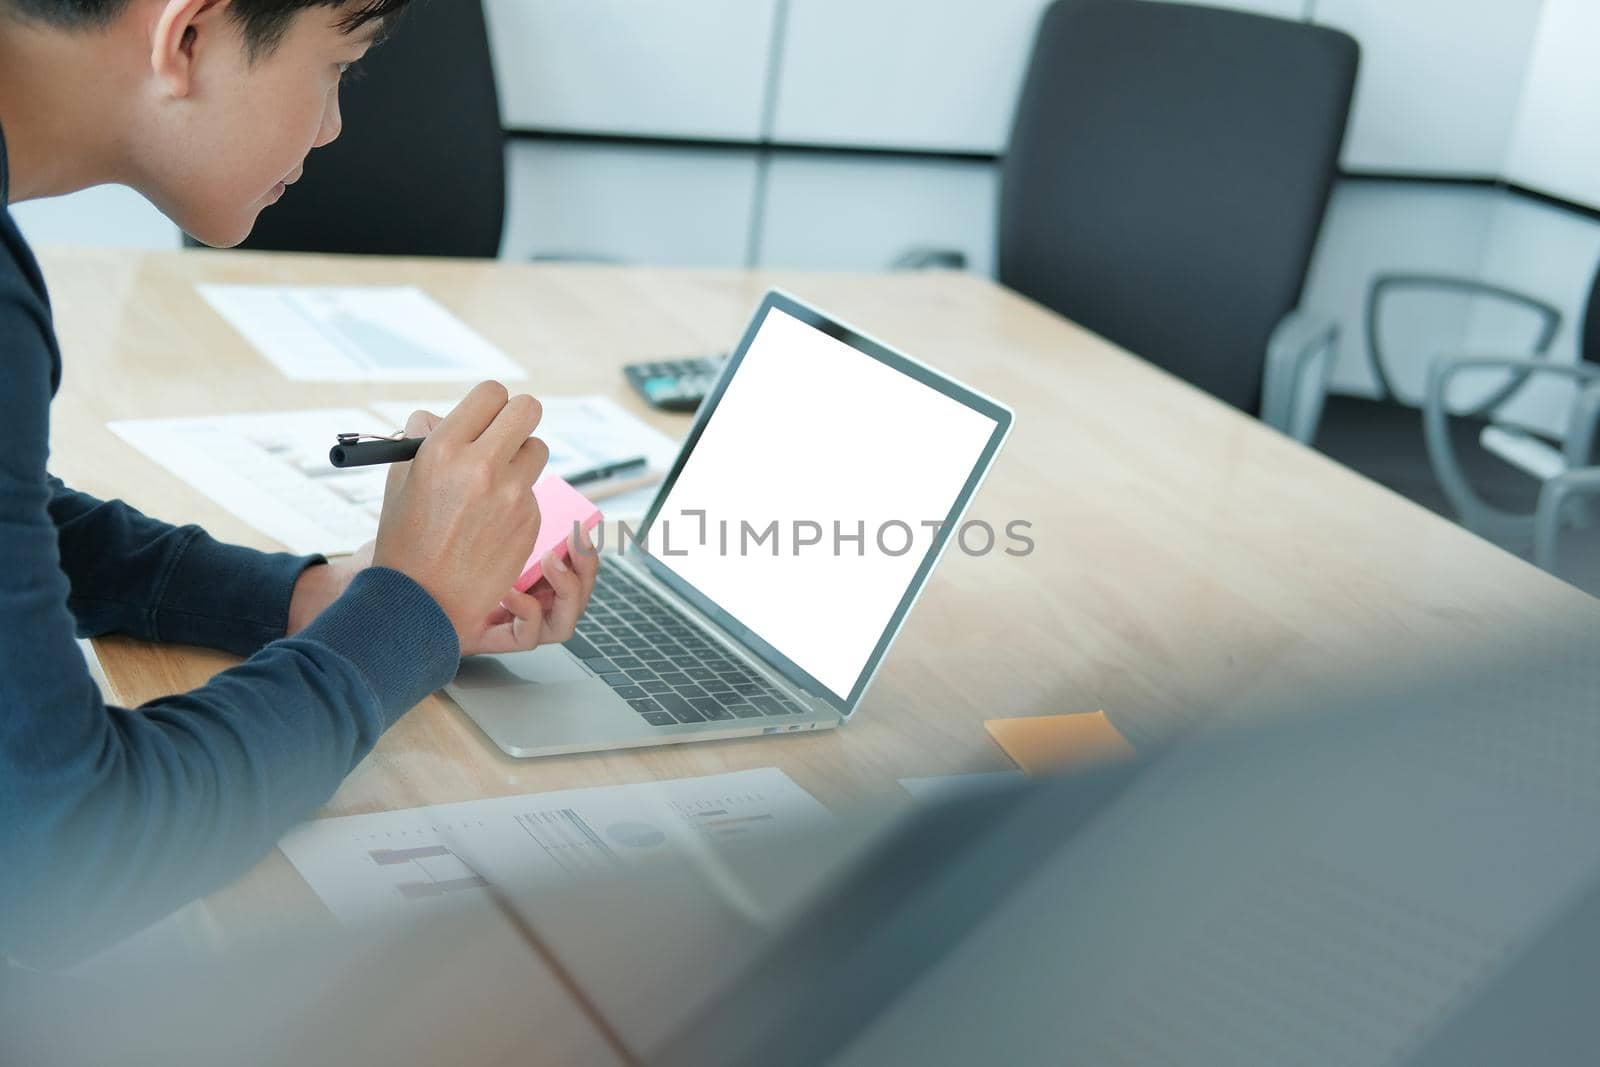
(110, 817)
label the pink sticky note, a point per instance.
(560, 506)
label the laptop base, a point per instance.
(545, 703)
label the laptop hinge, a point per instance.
(733, 644)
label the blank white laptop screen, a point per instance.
(815, 441)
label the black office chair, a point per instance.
(420, 167)
(1165, 184)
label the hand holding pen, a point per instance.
(461, 518)
(363, 450)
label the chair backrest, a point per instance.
(1168, 174)
(1589, 342)
(419, 168)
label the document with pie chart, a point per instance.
(389, 865)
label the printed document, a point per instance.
(272, 470)
(358, 334)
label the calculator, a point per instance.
(675, 384)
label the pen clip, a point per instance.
(353, 438)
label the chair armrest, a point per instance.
(1583, 433)
(930, 259)
(1295, 381)
(1385, 285)
(1476, 513)
(1554, 499)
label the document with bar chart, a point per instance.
(358, 334)
(271, 469)
(393, 865)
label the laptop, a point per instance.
(823, 478)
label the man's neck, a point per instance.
(64, 128)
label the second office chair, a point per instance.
(1165, 184)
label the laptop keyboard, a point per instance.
(661, 665)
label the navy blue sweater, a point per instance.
(112, 817)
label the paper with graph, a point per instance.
(396, 865)
(272, 469)
(358, 334)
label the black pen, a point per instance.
(365, 450)
(353, 451)
(608, 470)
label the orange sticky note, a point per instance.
(561, 507)
(1045, 744)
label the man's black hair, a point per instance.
(262, 22)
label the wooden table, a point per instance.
(1186, 556)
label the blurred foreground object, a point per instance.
(1401, 870)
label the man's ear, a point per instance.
(182, 29)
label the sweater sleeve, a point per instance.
(131, 574)
(112, 817)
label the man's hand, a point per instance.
(461, 518)
(546, 614)
(549, 612)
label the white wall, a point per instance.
(1440, 81)
(913, 74)
(690, 68)
(671, 206)
(1557, 143)
(111, 216)
(895, 74)
(842, 213)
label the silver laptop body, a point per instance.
(656, 661)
